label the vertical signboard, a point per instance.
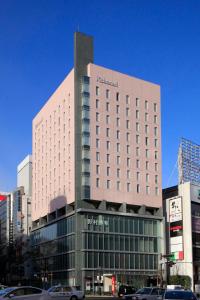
(176, 228)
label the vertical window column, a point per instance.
(85, 98)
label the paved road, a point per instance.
(101, 298)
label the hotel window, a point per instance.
(156, 167)
(97, 117)
(147, 165)
(97, 103)
(107, 106)
(107, 119)
(146, 104)
(118, 185)
(107, 94)
(117, 109)
(138, 188)
(137, 139)
(127, 136)
(97, 182)
(128, 162)
(118, 134)
(97, 156)
(108, 158)
(108, 171)
(156, 179)
(137, 163)
(97, 91)
(127, 112)
(128, 187)
(156, 143)
(107, 145)
(97, 130)
(128, 174)
(128, 149)
(97, 143)
(117, 96)
(155, 107)
(147, 190)
(147, 153)
(155, 131)
(107, 132)
(127, 99)
(118, 160)
(108, 184)
(137, 151)
(147, 177)
(97, 169)
(146, 117)
(156, 154)
(127, 124)
(155, 119)
(138, 176)
(146, 129)
(156, 191)
(118, 147)
(137, 102)
(118, 122)
(146, 141)
(137, 127)
(118, 173)
(137, 114)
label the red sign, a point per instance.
(113, 284)
(2, 197)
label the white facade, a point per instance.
(24, 175)
(190, 201)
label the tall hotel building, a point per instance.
(97, 198)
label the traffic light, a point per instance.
(171, 263)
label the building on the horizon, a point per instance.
(6, 235)
(22, 220)
(96, 190)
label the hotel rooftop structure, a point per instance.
(97, 176)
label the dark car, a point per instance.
(179, 295)
(146, 293)
(126, 289)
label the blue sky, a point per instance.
(156, 40)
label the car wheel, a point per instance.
(73, 298)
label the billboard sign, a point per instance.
(176, 228)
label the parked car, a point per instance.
(20, 292)
(126, 289)
(146, 293)
(68, 292)
(179, 295)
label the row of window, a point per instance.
(117, 242)
(128, 174)
(128, 161)
(129, 187)
(119, 224)
(127, 98)
(60, 262)
(128, 114)
(120, 261)
(108, 130)
(108, 143)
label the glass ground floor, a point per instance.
(98, 251)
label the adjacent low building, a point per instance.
(182, 210)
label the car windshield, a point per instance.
(186, 295)
(7, 290)
(145, 291)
